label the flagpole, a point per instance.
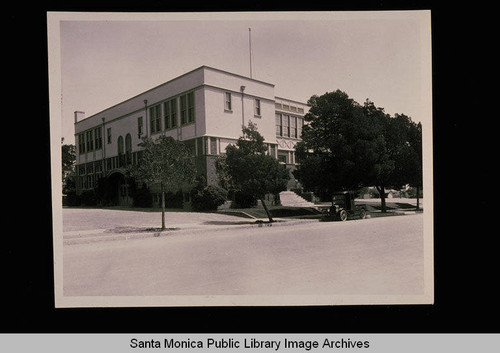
(250, 46)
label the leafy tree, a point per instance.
(400, 161)
(68, 158)
(355, 146)
(165, 162)
(337, 145)
(408, 155)
(380, 167)
(247, 167)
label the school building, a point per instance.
(206, 108)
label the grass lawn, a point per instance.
(276, 211)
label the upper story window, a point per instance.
(300, 124)
(293, 126)
(155, 118)
(170, 111)
(288, 125)
(108, 134)
(227, 101)
(81, 143)
(190, 101)
(187, 108)
(140, 130)
(279, 126)
(128, 149)
(257, 107)
(183, 109)
(98, 138)
(128, 143)
(90, 141)
(120, 145)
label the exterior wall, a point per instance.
(223, 122)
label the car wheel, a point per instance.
(343, 215)
(362, 214)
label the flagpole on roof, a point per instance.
(250, 46)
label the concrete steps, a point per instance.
(291, 199)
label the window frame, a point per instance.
(183, 109)
(155, 118)
(279, 124)
(190, 107)
(228, 102)
(140, 126)
(98, 138)
(257, 108)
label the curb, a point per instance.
(259, 223)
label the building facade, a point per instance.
(206, 108)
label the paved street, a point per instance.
(372, 256)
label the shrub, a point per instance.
(142, 197)
(207, 198)
(244, 200)
(89, 198)
(173, 200)
(71, 199)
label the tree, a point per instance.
(164, 162)
(354, 146)
(337, 146)
(380, 167)
(248, 168)
(68, 158)
(400, 161)
(409, 158)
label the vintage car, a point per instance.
(343, 207)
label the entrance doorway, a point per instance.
(119, 190)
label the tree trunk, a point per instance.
(381, 191)
(162, 208)
(267, 211)
(418, 200)
(277, 200)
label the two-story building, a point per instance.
(206, 108)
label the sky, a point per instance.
(382, 56)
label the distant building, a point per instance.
(206, 108)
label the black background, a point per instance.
(466, 263)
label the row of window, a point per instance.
(289, 125)
(289, 107)
(169, 113)
(97, 167)
(90, 140)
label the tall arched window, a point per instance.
(128, 149)
(120, 152)
(120, 145)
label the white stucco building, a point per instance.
(206, 108)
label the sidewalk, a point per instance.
(92, 225)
